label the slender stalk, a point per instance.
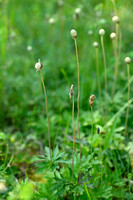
(73, 138)
(128, 96)
(105, 76)
(47, 113)
(101, 163)
(76, 48)
(98, 76)
(115, 11)
(116, 66)
(91, 127)
(86, 190)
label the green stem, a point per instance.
(128, 97)
(73, 139)
(98, 76)
(105, 76)
(88, 195)
(76, 48)
(47, 113)
(91, 127)
(116, 66)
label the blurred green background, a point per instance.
(26, 23)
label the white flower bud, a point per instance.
(38, 65)
(73, 33)
(60, 3)
(113, 35)
(116, 19)
(128, 60)
(95, 44)
(3, 187)
(101, 32)
(90, 32)
(77, 10)
(29, 48)
(51, 21)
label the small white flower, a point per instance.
(77, 10)
(73, 33)
(102, 32)
(128, 60)
(29, 48)
(113, 35)
(95, 44)
(38, 65)
(90, 32)
(51, 21)
(116, 19)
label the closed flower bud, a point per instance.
(60, 3)
(113, 36)
(51, 21)
(115, 19)
(73, 34)
(98, 130)
(101, 32)
(91, 99)
(90, 32)
(95, 44)
(38, 65)
(77, 10)
(128, 60)
(29, 48)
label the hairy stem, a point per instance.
(47, 114)
(78, 96)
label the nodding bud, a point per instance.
(77, 11)
(71, 93)
(51, 21)
(128, 60)
(98, 130)
(38, 65)
(91, 99)
(74, 34)
(102, 32)
(115, 19)
(95, 44)
(113, 36)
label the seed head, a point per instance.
(128, 60)
(73, 34)
(95, 44)
(113, 36)
(115, 19)
(102, 32)
(71, 93)
(91, 99)
(38, 65)
(51, 21)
